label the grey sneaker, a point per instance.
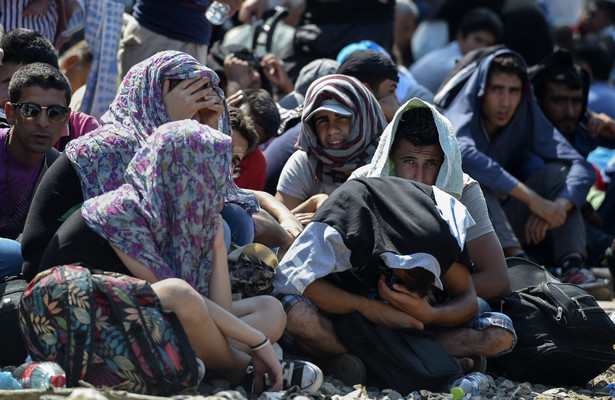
(307, 376)
(303, 375)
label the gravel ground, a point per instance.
(504, 389)
(333, 389)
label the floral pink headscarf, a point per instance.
(165, 215)
(101, 157)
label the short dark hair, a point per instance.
(263, 110)
(508, 63)
(418, 127)
(596, 52)
(482, 19)
(26, 46)
(372, 80)
(606, 6)
(242, 124)
(41, 75)
(369, 66)
(569, 75)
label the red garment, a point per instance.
(251, 172)
(599, 182)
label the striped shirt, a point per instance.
(11, 17)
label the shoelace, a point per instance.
(287, 373)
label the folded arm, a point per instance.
(329, 298)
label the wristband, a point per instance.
(261, 345)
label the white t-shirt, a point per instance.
(472, 197)
(299, 180)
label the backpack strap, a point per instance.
(268, 28)
(80, 324)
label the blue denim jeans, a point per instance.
(239, 225)
(10, 257)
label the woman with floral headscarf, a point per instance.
(95, 163)
(341, 123)
(164, 222)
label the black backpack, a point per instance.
(13, 351)
(404, 360)
(564, 336)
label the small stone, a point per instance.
(554, 391)
(220, 385)
(273, 396)
(359, 394)
(231, 395)
(525, 388)
(327, 388)
(242, 391)
(582, 391)
(505, 383)
(390, 394)
(86, 394)
(48, 396)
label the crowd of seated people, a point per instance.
(321, 153)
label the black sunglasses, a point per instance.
(31, 111)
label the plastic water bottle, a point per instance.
(217, 12)
(40, 375)
(470, 385)
(611, 387)
(7, 381)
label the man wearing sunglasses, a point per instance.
(37, 111)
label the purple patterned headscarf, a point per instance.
(100, 158)
(165, 215)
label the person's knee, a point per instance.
(271, 307)
(240, 223)
(10, 257)
(178, 296)
(499, 340)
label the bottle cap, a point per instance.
(457, 393)
(58, 381)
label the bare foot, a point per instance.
(36, 7)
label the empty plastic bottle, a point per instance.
(217, 12)
(40, 375)
(7, 381)
(470, 385)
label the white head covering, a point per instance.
(450, 177)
